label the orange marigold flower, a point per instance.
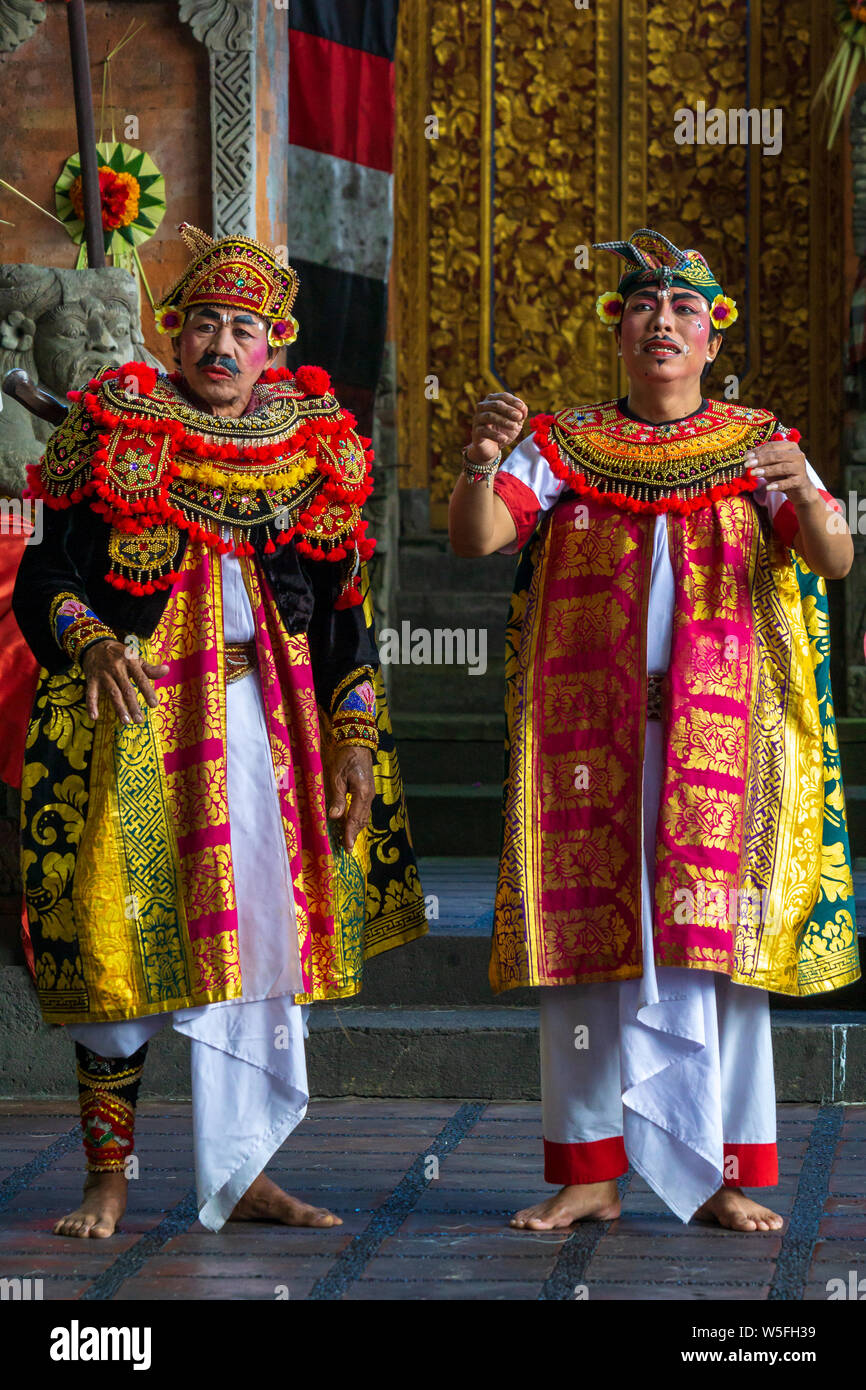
(118, 193)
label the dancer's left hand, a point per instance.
(782, 464)
(349, 770)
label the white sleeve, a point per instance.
(528, 465)
(774, 500)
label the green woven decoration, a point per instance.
(132, 193)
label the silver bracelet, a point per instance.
(476, 472)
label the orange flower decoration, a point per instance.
(118, 193)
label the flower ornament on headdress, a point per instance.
(608, 306)
(723, 312)
(283, 332)
(234, 271)
(653, 260)
(169, 321)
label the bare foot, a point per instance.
(264, 1201)
(102, 1206)
(587, 1201)
(732, 1208)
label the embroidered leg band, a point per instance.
(107, 1093)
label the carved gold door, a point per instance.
(528, 129)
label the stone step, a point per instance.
(855, 810)
(489, 1052)
(455, 818)
(853, 757)
(432, 608)
(430, 563)
(449, 688)
(448, 726)
(493, 1052)
(425, 761)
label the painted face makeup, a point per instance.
(240, 321)
(223, 352)
(665, 324)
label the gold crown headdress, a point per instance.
(236, 271)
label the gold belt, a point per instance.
(240, 660)
(654, 696)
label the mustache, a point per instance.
(211, 359)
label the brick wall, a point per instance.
(161, 76)
(272, 124)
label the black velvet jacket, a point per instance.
(73, 556)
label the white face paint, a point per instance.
(245, 318)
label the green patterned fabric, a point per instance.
(379, 900)
(829, 940)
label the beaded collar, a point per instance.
(148, 460)
(602, 451)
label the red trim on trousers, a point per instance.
(756, 1165)
(595, 1162)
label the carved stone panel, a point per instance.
(220, 24)
(227, 29)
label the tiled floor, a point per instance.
(410, 1234)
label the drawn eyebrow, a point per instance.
(213, 314)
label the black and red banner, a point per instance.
(341, 139)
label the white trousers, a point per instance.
(249, 1086)
(678, 1063)
(248, 1068)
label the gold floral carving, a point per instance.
(786, 350)
(564, 118)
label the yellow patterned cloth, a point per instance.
(126, 843)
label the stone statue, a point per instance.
(61, 326)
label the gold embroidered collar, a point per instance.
(599, 450)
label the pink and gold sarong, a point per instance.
(153, 892)
(739, 836)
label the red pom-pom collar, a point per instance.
(314, 381)
(135, 515)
